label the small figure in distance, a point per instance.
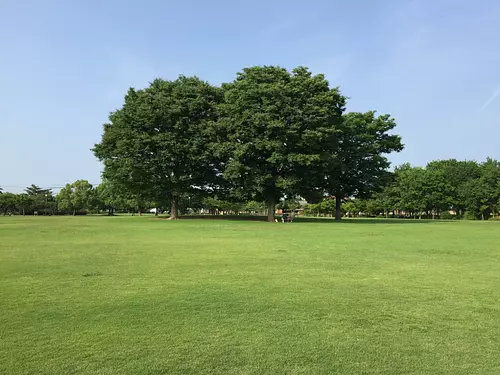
(285, 217)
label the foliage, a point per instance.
(80, 195)
(456, 173)
(39, 200)
(215, 205)
(435, 189)
(276, 126)
(112, 197)
(254, 207)
(158, 144)
(24, 203)
(469, 216)
(324, 208)
(445, 215)
(358, 167)
(8, 202)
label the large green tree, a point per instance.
(358, 167)
(276, 127)
(157, 146)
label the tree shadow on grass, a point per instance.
(306, 220)
(216, 217)
(367, 220)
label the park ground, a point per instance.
(139, 295)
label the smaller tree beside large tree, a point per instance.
(358, 166)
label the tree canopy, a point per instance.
(271, 135)
(359, 166)
(157, 145)
(465, 188)
(80, 195)
(277, 127)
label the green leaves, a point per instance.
(357, 167)
(158, 144)
(277, 125)
(269, 133)
(80, 195)
(467, 188)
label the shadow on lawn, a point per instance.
(366, 220)
(307, 219)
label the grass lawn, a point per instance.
(138, 295)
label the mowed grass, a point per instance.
(138, 295)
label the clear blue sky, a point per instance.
(64, 65)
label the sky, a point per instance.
(434, 65)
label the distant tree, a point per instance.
(83, 195)
(349, 208)
(111, 197)
(42, 200)
(490, 175)
(326, 207)
(7, 203)
(34, 190)
(77, 196)
(65, 199)
(254, 207)
(214, 205)
(359, 166)
(276, 125)
(24, 203)
(456, 173)
(476, 195)
(387, 199)
(480, 196)
(436, 192)
(157, 145)
(409, 183)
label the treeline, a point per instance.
(77, 198)
(269, 134)
(446, 189)
(81, 197)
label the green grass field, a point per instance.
(138, 295)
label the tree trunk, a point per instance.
(338, 206)
(174, 215)
(270, 210)
(482, 215)
(433, 215)
(74, 212)
(23, 211)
